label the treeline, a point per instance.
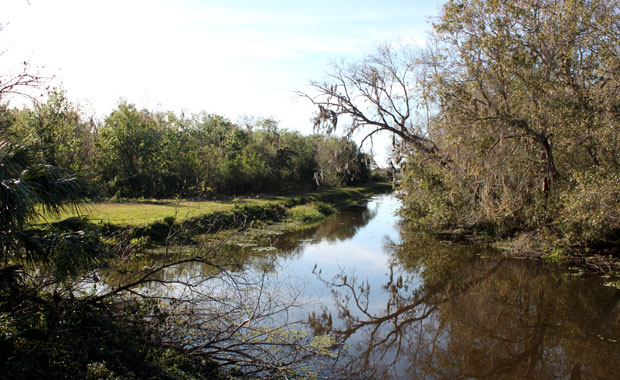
(507, 122)
(139, 153)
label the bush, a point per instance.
(306, 213)
(432, 200)
(50, 336)
(591, 208)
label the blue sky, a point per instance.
(232, 58)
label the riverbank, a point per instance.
(602, 259)
(597, 259)
(152, 223)
(72, 334)
(136, 212)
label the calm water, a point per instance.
(405, 305)
(429, 309)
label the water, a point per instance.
(441, 310)
(404, 305)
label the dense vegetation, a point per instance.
(506, 123)
(138, 153)
(527, 121)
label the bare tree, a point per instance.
(379, 93)
(19, 81)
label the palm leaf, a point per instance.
(28, 190)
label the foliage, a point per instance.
(145, 154)
(525, 112)
(28, 189)
(50, 336)
(126, 147)
(591, 207)
(138, 153)
(305, 213)
(57, 128)
(507, 120)
(340, 163)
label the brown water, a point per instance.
(408, 306)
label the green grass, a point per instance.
(142, 213)
(311, 212)
(135, 213)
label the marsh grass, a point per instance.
(311, 212)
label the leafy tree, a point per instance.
(127, 147)
(296, 160)
(57, 127)
(523, 104)
(508, 120)
(340, 162)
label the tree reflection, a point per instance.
(253, 254)
(338, 227)
(456, 312)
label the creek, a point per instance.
(407, 305)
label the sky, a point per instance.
(234, 58)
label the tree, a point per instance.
(127, 147)
(532, 70)
(57, 127)
(524, 105)
(379, 93)
(505, 119)
(19, 81)
(296, 160)
(340, 162)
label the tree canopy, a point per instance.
(507, 119)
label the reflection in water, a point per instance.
(451, 314)
(336, 228)
(289, 245)
(430, 309)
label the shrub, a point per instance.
(591, 207)
(325, 208)
(306, 213)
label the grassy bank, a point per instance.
(154, 220)
(144, 212)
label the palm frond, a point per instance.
(28, 190)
